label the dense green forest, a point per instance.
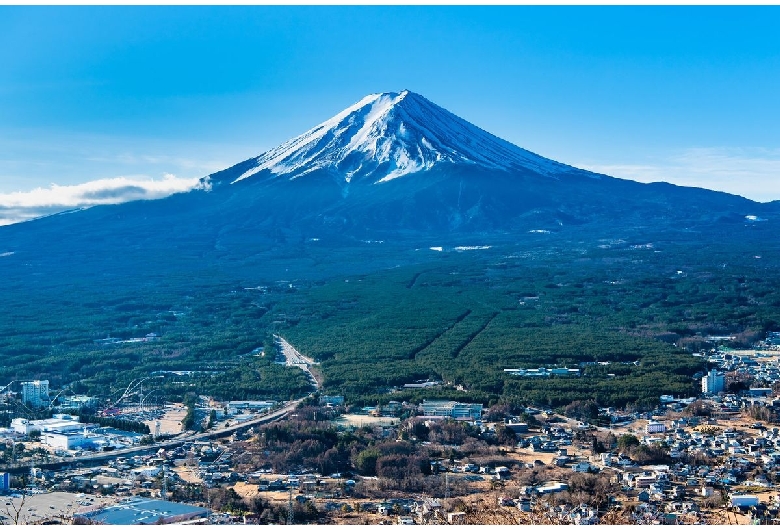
(378, 316)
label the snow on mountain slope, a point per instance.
(386, 136)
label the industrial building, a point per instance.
(65, 440)
(57, 423)
(140, 510)
(59, 432)
(234, 406)
(452, 409)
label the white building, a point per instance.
(713, 382)
(234, 406)
(147, 471)
(20, 425)
(452, 409)
(64, 440)
(59, 423)
(655, 427)
(35, 393)
(552, 487)
(77, 402)
(645, 480)
(60, 432)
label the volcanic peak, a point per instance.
(389, 135)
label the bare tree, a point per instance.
(14, 515)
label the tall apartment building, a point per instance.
(35, 393)
(713, 382)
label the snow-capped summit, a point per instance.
(385, 136)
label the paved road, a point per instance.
(175, 442)
(296, 358)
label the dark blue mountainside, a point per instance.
(392, 167)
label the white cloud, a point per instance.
(24, 205)
(749, 172)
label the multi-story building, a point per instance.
(333, 401)
(713, 382)
(35, 393)
(654, 427)
(77, 402)
(64, 440)
(452, 409)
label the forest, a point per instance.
(628, 309)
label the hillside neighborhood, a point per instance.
(712, 459)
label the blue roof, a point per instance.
(140, 510)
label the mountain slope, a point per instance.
(386, 136)
(393, 165)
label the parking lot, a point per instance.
(47, 506)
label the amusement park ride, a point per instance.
(135, 387)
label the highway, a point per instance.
(174, 442)
(293, 358)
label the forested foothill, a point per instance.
(378, 314)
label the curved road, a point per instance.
(179, 440)
(293, 357)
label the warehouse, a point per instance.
(140, 510)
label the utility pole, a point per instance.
(164, 489)
(290, 504)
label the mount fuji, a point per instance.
(386, 136)
(397, 161)
(393, 166)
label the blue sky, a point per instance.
(169, 94)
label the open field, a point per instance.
(170, 423)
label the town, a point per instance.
(711, 459)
